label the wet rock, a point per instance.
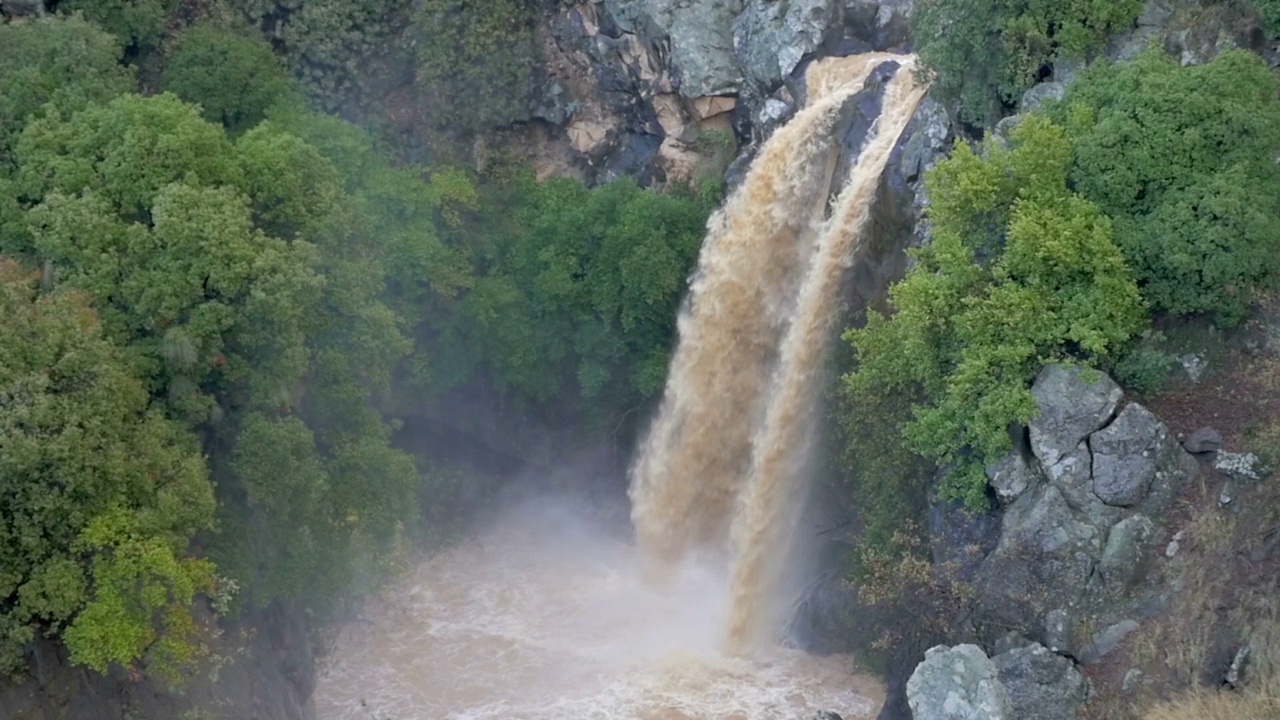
(1059, 631)
(1012, 476)
(1124, 456)
(1106, 640)
(771, 38)
(1040, 94)
(959, 683)
(1073, 404)
(700, 35)
(22, 7)
(1046, 555)
(1204, 440)
(885, 24)
(1041, 684)
(1127, 547)
(962, 536)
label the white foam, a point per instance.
(546, 619)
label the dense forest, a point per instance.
(222, 270)
(209, 289)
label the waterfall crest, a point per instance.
(720, 469)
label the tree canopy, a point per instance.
(1183, 159)
(100, 494)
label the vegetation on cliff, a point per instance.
(982, 55)
(1021, 272)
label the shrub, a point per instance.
(984, 54)
(1021, 272)
(1269, 12)
(476, 60)
(1183, 158)
(235, 79)
(326, 42)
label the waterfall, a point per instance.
(720, 470)
(549, 615)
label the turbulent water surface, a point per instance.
(547, 618)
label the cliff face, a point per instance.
(668, 91)
(261, 668)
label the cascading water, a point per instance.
(731, 437)
(550, 617)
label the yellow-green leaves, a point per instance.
(101, 495)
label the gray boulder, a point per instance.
(700, 34)
(959, 683)
(1127, 547)
(22, 7)
(1041, 684)
(1124, 456)
(1106, 640)
(1204, 440)
(1045, 557)
(1040, 94)
(1073, 404)
(770, 38)
(1012, 476)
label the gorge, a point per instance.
(538, 621)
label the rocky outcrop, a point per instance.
(1082, 512)
(1040, 683)
(959, 683)
(636, 87)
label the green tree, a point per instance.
(234, 78)
(577, 293)
(1021, 272)
(99, 494)
(57, 63)
(242, 280)
(137, 23)
(1183, 160)
(982, 54)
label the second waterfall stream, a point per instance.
(721, 470)
(552, 616)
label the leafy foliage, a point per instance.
(233, 77)
(983, 53)
(63, 63)
(1184, 160)
(99, 493)
(476, 59)
(1021, 272)
(576, 294)
(237, 275)
(137, 23)
(1269, 11)
(327, 41)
